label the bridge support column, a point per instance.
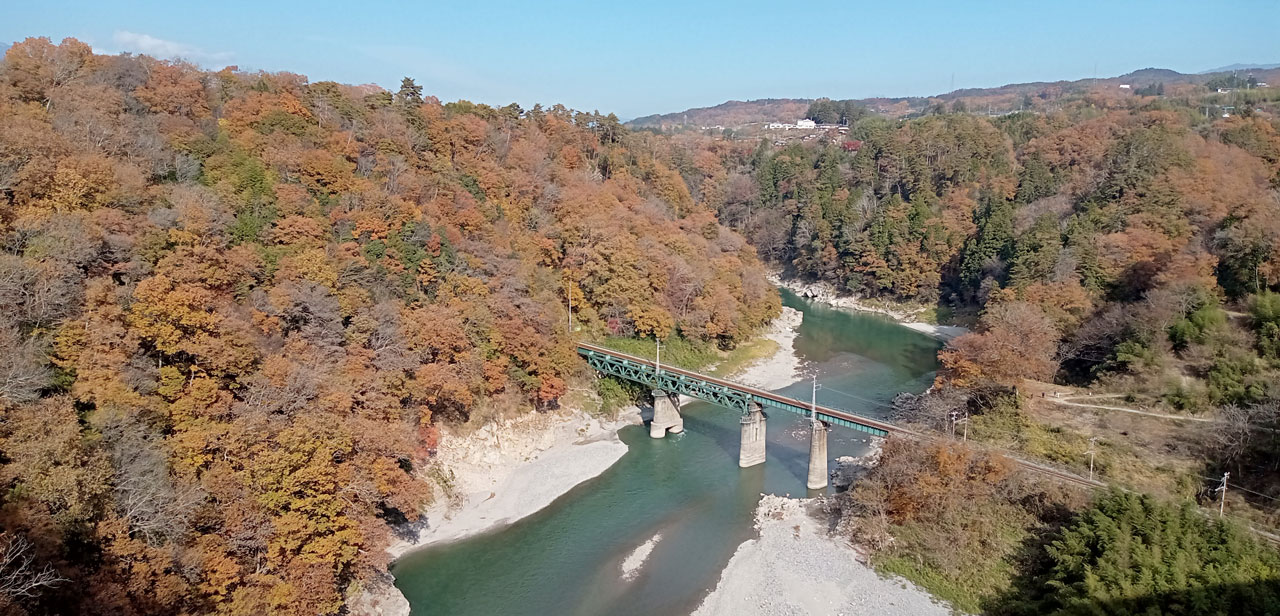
(752, 451)
(818, 456)
(666, 415)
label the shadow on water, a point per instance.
(724, 437)
(566, 559)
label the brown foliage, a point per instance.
(1017, 342)
(216, 395)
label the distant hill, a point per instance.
(1239, 67)
(731, 113)
(1010, 97)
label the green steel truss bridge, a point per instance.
(751, 401)
(719, 391)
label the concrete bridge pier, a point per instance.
(666, 415)
(751, 452)
(818, 456)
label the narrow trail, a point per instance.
(1065, 401)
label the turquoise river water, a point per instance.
(566, 559)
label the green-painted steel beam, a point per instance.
(695, 386)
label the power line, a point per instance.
(1239, 487)
(857, 397)
(1018, 436)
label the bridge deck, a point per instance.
(721, 391)
(718, 391)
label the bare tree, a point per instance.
(37, 293)
(1245, 430)
(1095, 339)
(292, 396)
(145, 493)
(22, 366)
(932, 409)
(20, 576)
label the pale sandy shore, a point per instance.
(825, 293)
(630, 566)
(509, 470)
(500, 474)
(794, 567)
(782, 368)
(512, 469)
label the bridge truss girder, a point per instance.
(668, 381)
(707, 391)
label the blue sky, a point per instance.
(661, 56)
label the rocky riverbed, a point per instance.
(826, 293)
(796, 568)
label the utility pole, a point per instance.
(1222, 502)
(1091, 452)
(657, 361)
(568, 298)
(965, 421)
(954, 416)
(813, 400)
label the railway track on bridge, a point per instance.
(853, 418)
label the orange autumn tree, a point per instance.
(250, 302)
(1016, 341)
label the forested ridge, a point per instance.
(1104, 242)
(235, 307)
(1115, 245)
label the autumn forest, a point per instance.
(237, 308)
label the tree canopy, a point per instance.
(237, 307)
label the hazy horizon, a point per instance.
(668, 57)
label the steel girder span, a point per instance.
(717, 391)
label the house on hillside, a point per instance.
(1125, 86)
(806, 124)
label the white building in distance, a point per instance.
(806, 124)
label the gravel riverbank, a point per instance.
(500, 474)
(509, 470)
(826, 293)
(783, 367)
(795, 568)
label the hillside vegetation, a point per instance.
(1117, 244)
(234, 308)
(1100, 244)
